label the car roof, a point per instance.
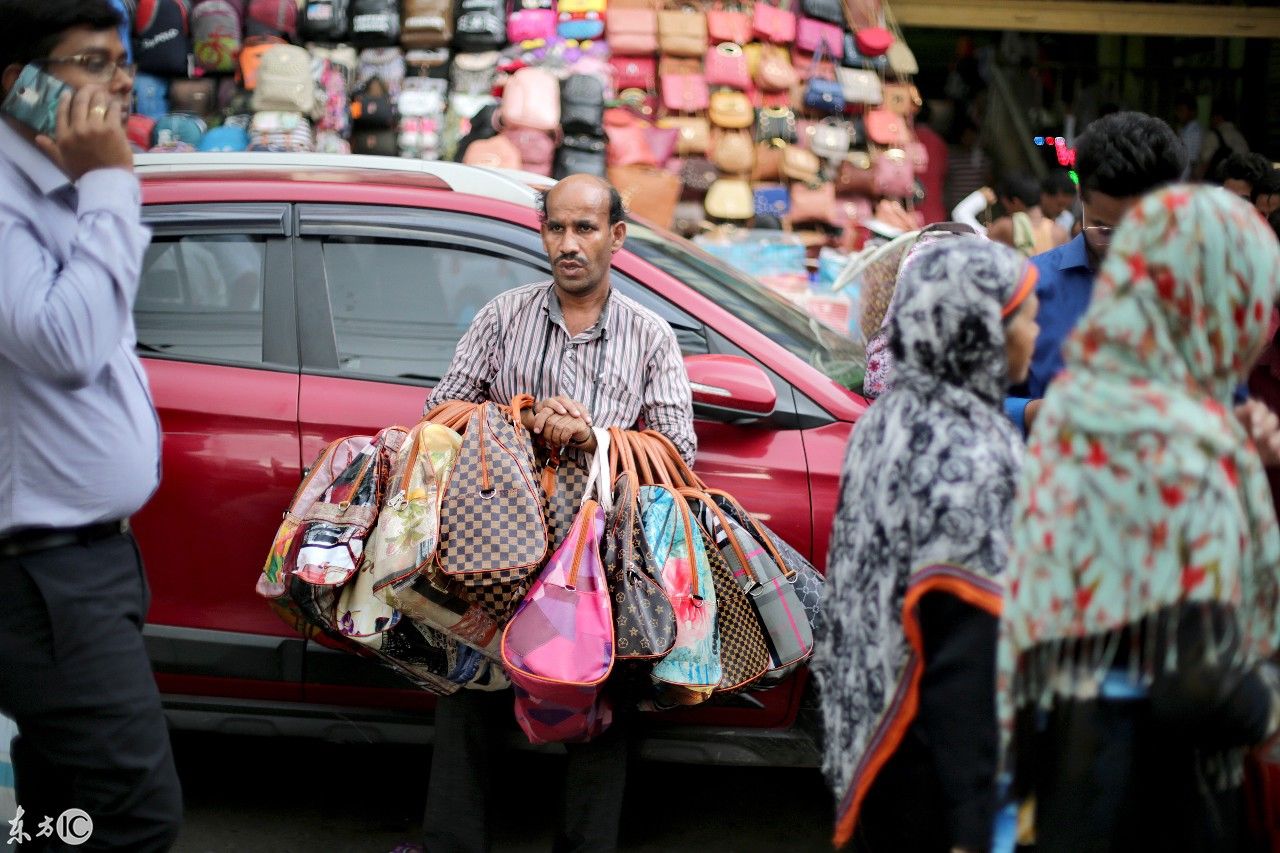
(508, 185)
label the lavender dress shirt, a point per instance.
(79, 437)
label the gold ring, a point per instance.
(99, 110)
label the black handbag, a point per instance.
(374, 113)
(580, 154)
(385, 142)
(776, 123)
(831, 11)
(480, 25)
(375, 23)
(582, 104)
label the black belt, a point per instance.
(32, 539)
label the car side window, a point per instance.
(200, 299)
(400, 308)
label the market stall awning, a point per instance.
(1103, 17)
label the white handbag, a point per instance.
(285, 83)
(831, 139)
(860, 86)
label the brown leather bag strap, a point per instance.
(644, 473)
(659, 461)
(686, 473)
(453, 414)
(519, 403)
(760, 533)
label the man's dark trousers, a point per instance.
(465, 789)
(76, 678)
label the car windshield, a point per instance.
(835, 355)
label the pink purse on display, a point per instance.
(632, 32)
(530, 24)
(773, 23)
(629, 145)
(812, 33)
(685, 93)
(634, 72)
(726, 65)
(724, 25)
(893, 174)
(558, 648)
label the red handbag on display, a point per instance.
(726, 65)
(723, 25)
(634, 72)
(774, 23)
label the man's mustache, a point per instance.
(577, 259)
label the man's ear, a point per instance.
(619, 235)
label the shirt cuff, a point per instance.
(1015, 409)
(109, 190)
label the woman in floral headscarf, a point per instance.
(906, 660)
(1142, 598)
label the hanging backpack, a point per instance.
(332, 83)
(272, 18)
(531, 99)
(385, 64)
(280, 131)
(427, 23)
(178, 132)
(537, 149)
(216, 35)
(284, 81)
(325, 20)
(255, 47)
(582, 104)
(375, 23)
(481, 26)
(150, 95)
(225, 138)
(162, 37)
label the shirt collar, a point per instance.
(1074, 255)
(29, 161)
(556, 314)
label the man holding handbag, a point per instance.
(591, 357)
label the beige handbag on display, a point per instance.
(731, 198)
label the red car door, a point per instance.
(217, 337)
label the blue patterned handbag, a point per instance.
(821, 93)
(772, 200)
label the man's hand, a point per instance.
(1263, 427)
(562, 421)
(90, 133)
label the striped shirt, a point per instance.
(624, 368)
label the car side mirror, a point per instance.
(729, 388)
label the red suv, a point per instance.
(288, 300)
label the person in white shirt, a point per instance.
(1222, 140)
(1190, 131)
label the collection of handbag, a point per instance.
(694, 108)
(754, 109)
(460, 555)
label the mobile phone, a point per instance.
(33, 100)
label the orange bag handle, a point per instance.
(659, 461)
(674, 457)
(763, 537)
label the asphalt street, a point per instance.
(253, 794)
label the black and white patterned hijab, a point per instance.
(925, 501)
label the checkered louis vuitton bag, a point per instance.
(493, 535)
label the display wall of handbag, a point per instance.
(775, 24)
(648, 192)
(830, 11)
(731, 110)
(726, 65)
(776, 124)
(682, 31)
(730, 198)
(860, 86)
(733, 151)
(685, 93)
(694, 133)
(530, 20)
(799, 164)
(493, 535)
(726, 24)
(632, 31)
(580, 154)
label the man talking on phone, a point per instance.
(79, 438)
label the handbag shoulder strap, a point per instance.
(598, 479)
(675, 460)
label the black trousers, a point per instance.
(465, 789)
(76, 678)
